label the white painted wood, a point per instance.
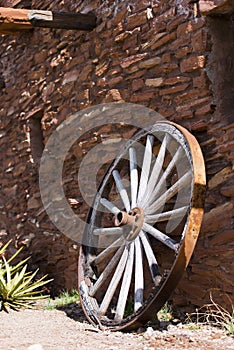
(157, 168)
(114, 282)
(125, 285)
(169, 242)
(158, 188)
(139, 275)
(145, 167)
(133, 176)
(108, 231)
(153, 264)
(110, 206)
(104, 254)
(178, 185)
(167, 215)
(106, 272)
(122, 191)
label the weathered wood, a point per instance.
(139, 275)
(17, 20)
(152, 262)
(114, 282)
(216, 7)
(106, 272)
(145, 167)
(121, 189)
(125, 286)
(62, 20)
(133, 176)
(14, 20)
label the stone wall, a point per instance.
(161, 54)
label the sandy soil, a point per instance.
(68, 330)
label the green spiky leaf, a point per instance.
(18, 287)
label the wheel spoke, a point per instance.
(133, 176)
(159, 186)
(145, 167)
(156, 170)
(108, 231)
(139, 275)
(108, 205)
(153, 265)
(168, 215)
(122, 191)
(125, 285)
(106, 272)
(100, 257)
(114, 282)
(182, 182)
(171, 243)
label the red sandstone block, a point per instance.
(183, 40)
(102, 68)
(122, 36)
(114, 81)
(85, 74)
(166, 57)
(173, 89)
(149, 63)
(41, 56)
(201, 82)
(130, 42)
(151, 42)
(171, 25)
(176, 80)
(183, 51)
(166, 111)
(137, 84)
(199, 41)
(75, 61)
(223, 238)
(136, 20)
(166, 68)
(113, 95)
(167, 15)
(192, 63)
(164, 40)
(190, 97)
(212, 222)
(142, 96)
(200, 125)
(227, 147)
(190, 26)
(118, 29)
(154, 82)
(138, 74)
(126, 62)
(203, 110)
(119, 17)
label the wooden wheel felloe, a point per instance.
(142, 228)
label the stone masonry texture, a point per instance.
(163, 55)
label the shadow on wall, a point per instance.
(221, 63)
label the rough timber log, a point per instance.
(16, 20)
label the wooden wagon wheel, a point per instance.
(142, 228)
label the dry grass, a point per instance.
(215, 315)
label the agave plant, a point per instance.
(17, 286)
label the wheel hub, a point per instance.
(135, 219)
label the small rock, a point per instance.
(35, 347)
(149, 332)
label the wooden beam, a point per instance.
(216, 7)
(17, 20)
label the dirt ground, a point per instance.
(68, 330)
